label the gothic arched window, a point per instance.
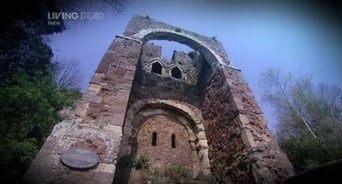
(176, 73)
(156, 68)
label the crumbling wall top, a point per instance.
(146, 28)
(188, 64)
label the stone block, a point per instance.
(94, 88)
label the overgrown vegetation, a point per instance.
(178, 174)
(309, 117)
(130, 161)
(141, 162)
(142, 171)
(215, 177)
(178, 29)
(28, 111)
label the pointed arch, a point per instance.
(157, 68)
(176, 73)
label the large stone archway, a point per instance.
(219, 110)
(214, 59)
(187, 116)
(145, 29)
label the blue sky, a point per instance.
(256, 36)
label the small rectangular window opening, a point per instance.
(173, 141)
(154, 139)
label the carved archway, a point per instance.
(186, 114)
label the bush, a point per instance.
(178, 30)
(157, 178)
(179, 173)
(308, 152)
(141, 162)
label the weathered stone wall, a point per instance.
(149, 85)
(203, 78)
(109, 89)
(186, 114)
(163, 154)
(190, 66)
(150, 51)
(75, 133)
(241, 149)
(97, 124)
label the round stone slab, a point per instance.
(79, 158)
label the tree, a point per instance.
(309, 117)
(28, 107)
(22, 48)
(67, 73)
(29, 94)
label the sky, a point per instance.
(305, 37)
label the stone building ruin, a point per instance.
(195, 110)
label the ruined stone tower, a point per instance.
(195, 110)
